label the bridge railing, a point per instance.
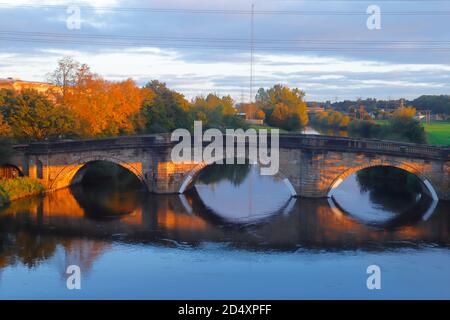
(95, 144)
(363, 145)
(288, 140)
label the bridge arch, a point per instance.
(424, 181)
(192, 175)
(70, 173)
(10, 171)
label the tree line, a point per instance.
(438, 104)
(401, 125)
(87, 105)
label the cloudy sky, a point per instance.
(199, 46)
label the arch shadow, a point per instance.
(10, 171)
(73, 172)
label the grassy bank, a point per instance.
(21, 187)
(438, 132)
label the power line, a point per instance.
(228, 11)
(168, 42)
(214, 39)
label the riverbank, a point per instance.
(21, 187)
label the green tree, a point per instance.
(34, 117)
(437, 104)
(364, 129)
(216, 112)
(163, 109)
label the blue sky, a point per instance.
(200, 48)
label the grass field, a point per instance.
(438, 132)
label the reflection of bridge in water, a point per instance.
(168, 219)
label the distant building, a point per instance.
(315, 109)
(20, 85)
(242, 115)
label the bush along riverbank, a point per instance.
(401, 126)
(21, 187)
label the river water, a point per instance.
(235, 235)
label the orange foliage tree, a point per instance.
(103, 108)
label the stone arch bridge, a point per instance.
(310, 165)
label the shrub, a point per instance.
(13, 189)
(364, 129)
(331, 120)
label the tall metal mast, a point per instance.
(252, 30)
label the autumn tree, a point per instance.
(100, 107)
(331, 119)
(292, 103)
(34, 117)
(104, 108)
(403, 126)
(260, 115)
(404, 112)
(65, 75)
(279, 115)
(5, 128)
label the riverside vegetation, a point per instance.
(20, 187)
(401, 126)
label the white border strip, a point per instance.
(290, 187)
(431, 189)
(185, 183)
(334, 186)
(185, 204)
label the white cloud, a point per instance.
(195, 71)
(314, 74)
(92, 3)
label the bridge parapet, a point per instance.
(291, 141)
(345, 144)
(122, 142)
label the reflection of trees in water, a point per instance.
(235, 173)
(390, 187)
(26, 248)
(32, 248)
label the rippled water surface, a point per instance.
(235, 235)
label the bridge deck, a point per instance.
(290, 141)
